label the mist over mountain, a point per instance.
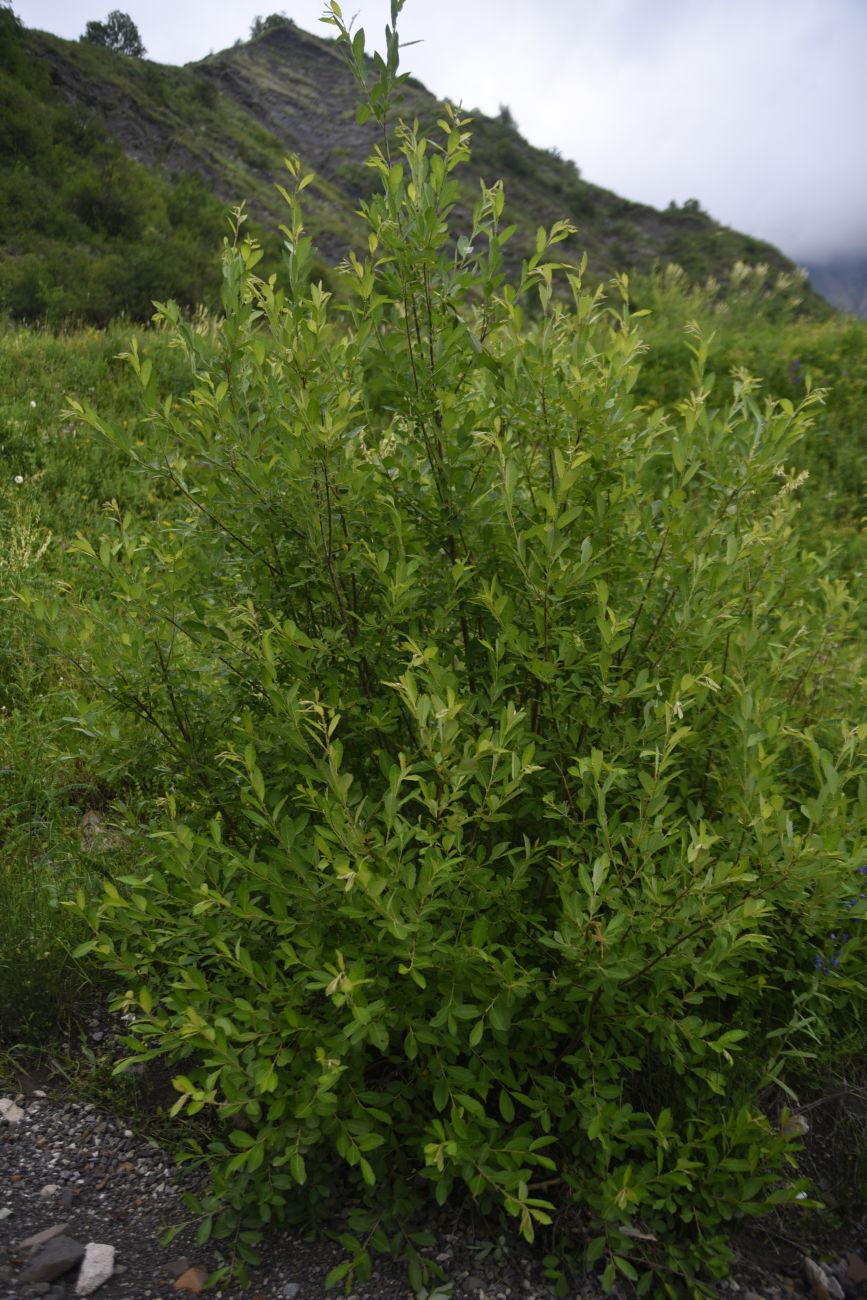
(842, 281)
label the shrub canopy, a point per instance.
(510, 794)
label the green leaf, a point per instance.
(337, 1274)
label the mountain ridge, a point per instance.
(225, 123)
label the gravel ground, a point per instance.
(77, 1174)
(66, 1165)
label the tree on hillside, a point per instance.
(118, 33)
(260, 26)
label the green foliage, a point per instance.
(118, 33)
(756, 320)
(56, 481)
(87, 234)
(504, 728)
(260, 26)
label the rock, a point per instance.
(822, 1284)
(40, 1238)
(5, 1212)
(193, 1280)
(291, 1290)
(473, 1283)
(856, 1268)
(753, 1295)
(97, 837)
(49, 1191)
(61, 1254)
(794, 1125)
(175, 1267)
(96, 1268)
(10, 1112)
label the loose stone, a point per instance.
(40, 1238)
(175, 1267)
(193, 1280)
(96, 1267)
(856, 1269)
(60, 1255)
(10, 1112)
(822, 1284)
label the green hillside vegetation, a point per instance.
(115, 173)
(88, 233)
(755, 322)
(432, 696)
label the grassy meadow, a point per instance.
(55, 482)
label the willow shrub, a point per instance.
(510, 797)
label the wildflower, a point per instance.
(32, 405)
(19, 478)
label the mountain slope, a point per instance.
(130, 166)
(843, 282)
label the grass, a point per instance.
(56, 482)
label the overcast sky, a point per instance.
(758, 108)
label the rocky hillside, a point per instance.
(116, 173)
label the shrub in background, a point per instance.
(755, 320)
(511, 794)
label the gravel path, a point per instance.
(69, 1169)
(76, 1177)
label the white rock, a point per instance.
(48, 1191)
(822, 1284)
(96, 1267)
(10, 1112)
